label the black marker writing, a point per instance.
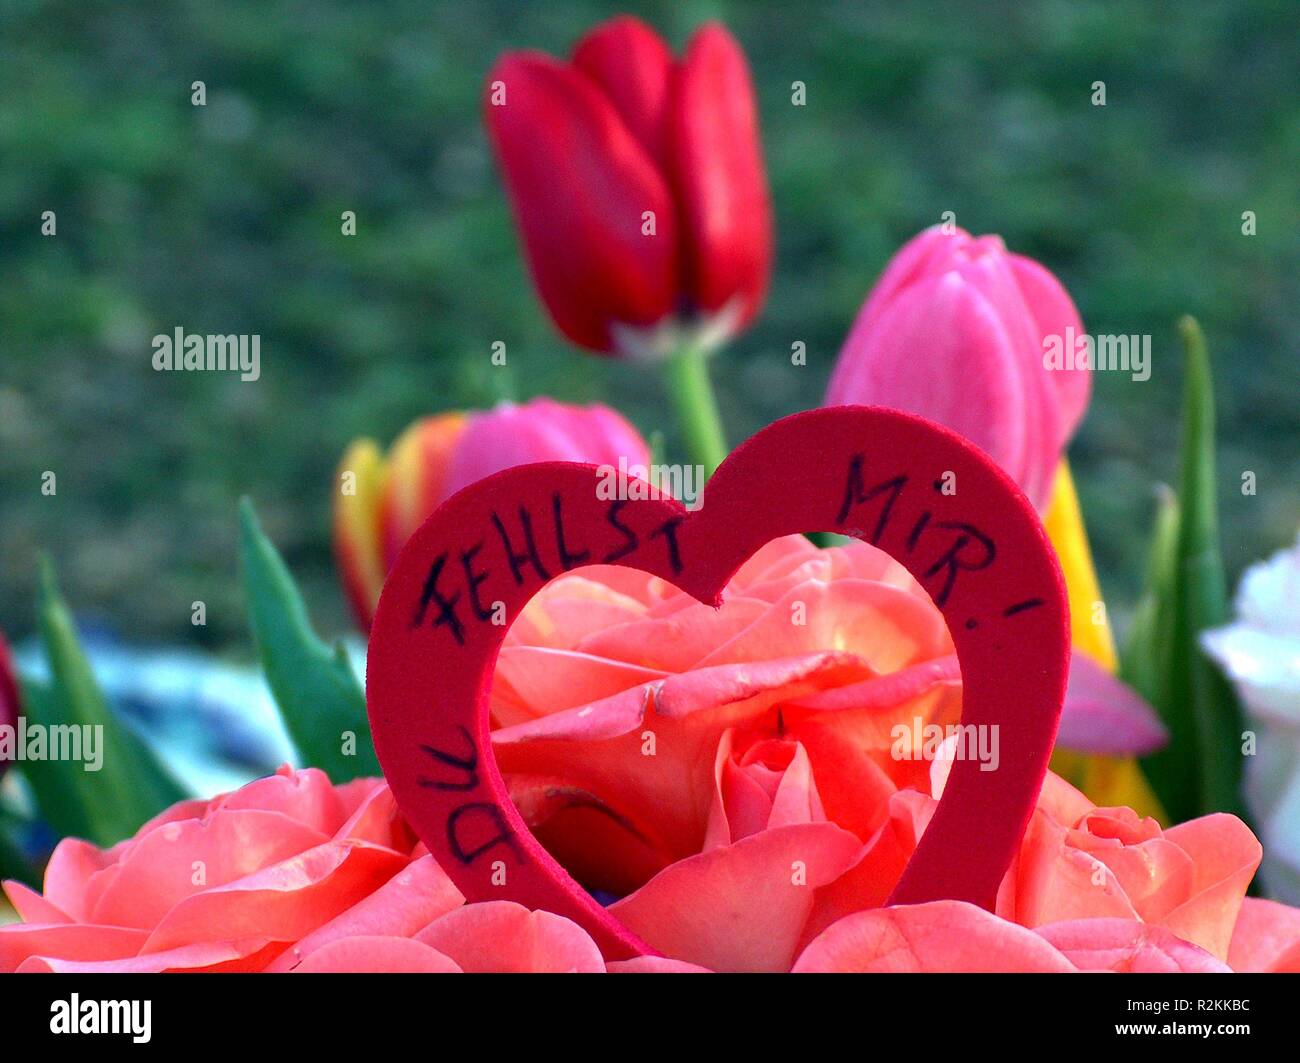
(568, 559)
(856, 494)
(474, 579)
(482, 812)
(953, 560)
(630, 539)
(669, 531)
(530, 548)
(446, 606)
(466, 763)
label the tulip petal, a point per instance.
(580, 185)
(1054, 314)
(996, 383)
(415, 480)
(939, 349)
(634, 68)
(358, 553)
(718, 176)
(1104, 715)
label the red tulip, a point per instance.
(387, 497)
(637, 182)
(954, 330)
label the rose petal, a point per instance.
(410, 900)
(283, 902)
(501, 936)
(1266, 937)
(1128, 946)
(373, 954)
(654, 965)
(942, 936)
(20, 941)
(694, 909)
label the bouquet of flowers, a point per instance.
(791, 776)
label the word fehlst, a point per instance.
(521, 547)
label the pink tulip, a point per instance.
(541, 430)
(955, 330)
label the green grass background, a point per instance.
(225, 219)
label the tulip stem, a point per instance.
(697, 406)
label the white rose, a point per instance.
(1260, 653)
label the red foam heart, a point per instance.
(970, 538)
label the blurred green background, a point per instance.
(225, 218)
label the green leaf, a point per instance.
(320, 699)
(130, 785)
(1200, 770)
(1144, 662)
(13, 865)
(58, 802)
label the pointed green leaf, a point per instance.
(1200, 770)
(130, 785)
(1144, 660)
(320, 699)
(57, 801)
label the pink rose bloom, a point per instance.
(665, 750)
(287, 873)
(956, 329)
(732, 777)
(1110, 890)
(614, 690)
